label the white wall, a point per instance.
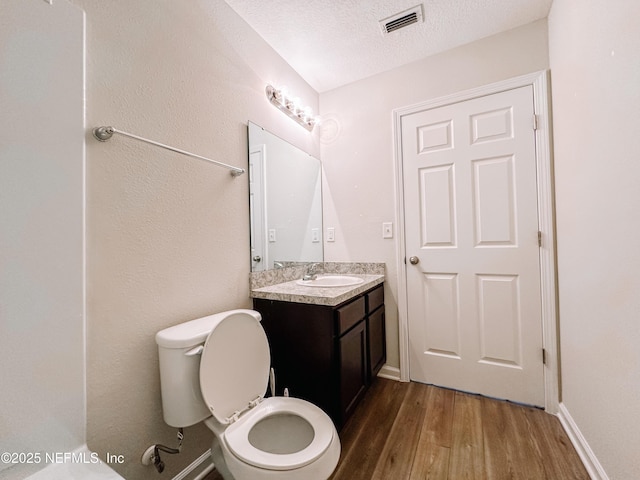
(595, 70)
(357, 142)
(167, 236)
(42, 401)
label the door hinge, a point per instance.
(544, 356)
(535, 121)
(539, 238)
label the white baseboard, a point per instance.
(591, 463)
(392, 373)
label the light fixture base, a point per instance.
(285, 105)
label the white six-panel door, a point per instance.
(471, 231)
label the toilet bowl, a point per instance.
(216, 369)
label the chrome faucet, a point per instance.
(311, 273)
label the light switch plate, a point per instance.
(272, 234)
(387, 230)
(331, 234)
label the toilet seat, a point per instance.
(233, 382)
(237, 434)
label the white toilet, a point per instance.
(216, 369)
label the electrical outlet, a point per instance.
(315, 235)
(387, 230)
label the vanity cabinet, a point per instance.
(328, 355)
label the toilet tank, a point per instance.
(179, 349)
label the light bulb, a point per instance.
(284, 94)
(308, 114)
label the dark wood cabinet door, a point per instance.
(377, 341)
(353, 368)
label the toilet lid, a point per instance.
(234, 368)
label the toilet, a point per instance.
(215, 370)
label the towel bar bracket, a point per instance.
(103, 133)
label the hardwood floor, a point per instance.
(411, 431)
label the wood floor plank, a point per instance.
(399, 450)
(366, 432)
(432, 453)
(379, 398)
(509, 452)
(431, 462)
(467, 454)
(437, 427)
(560, 457)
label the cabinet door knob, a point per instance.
(257, 258)
(414, 260)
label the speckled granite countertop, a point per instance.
(331, 296)
(281, 284)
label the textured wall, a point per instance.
(595, 70)
(167, 236)
(41, 224)
(358, 150)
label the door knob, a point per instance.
(257, 258)
(414, 260)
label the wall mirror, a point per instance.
(285, 202)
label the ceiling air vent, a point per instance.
(401, 20)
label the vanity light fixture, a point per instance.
(289, 105)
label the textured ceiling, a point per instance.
(334, 42)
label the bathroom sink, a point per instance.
(331, 281)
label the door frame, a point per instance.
(539, 81)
